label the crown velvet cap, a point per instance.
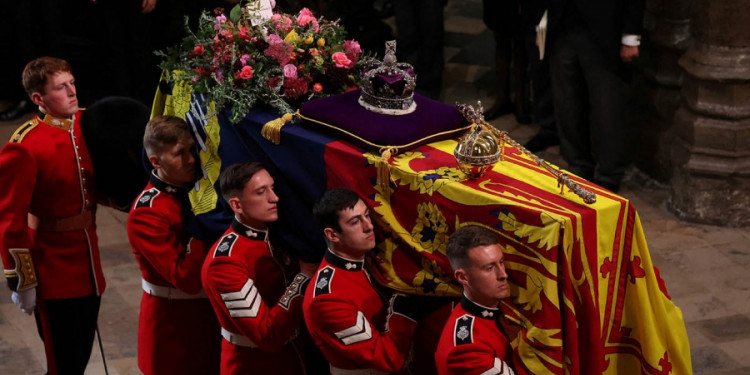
(388, 86)
(342, 116)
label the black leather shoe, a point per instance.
(496, 112)
(541, 142)
(21, 108)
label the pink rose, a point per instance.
(352, 46)
(290, 71)
(282, 23)
(341, 60)
(305, 16)
(317, 88)
(246, 72)
(198, 50)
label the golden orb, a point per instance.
(476, 152)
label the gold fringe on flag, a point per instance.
(384, 171)
(272, 129)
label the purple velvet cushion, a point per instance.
(431, 121)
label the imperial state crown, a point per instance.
(388, 86)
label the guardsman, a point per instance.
(358, 330)
(474, 340)
(178, 332)
(49, 245)
(254, 288)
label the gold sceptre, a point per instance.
(563, 179)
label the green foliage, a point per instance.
(279, 63)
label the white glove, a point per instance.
(25, 300)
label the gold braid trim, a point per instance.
(375, 145)
(272, 131)
(24, 270)
(24, 129)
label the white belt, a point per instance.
(237, 339)
(363, 371)
(169, 292)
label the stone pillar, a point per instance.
(666, 37)
(711, 152)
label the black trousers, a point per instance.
(589, 100)
(420, 41)
(67, 327)
(542, 108)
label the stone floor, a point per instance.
(704, 267)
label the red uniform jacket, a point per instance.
(46, 171)
(347, 319)
(259, 315)
(175, 335)
(473, 342)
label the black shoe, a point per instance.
(541, 142)
(21, 108)
(496, 112)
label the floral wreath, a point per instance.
(255, 56)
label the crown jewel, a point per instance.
(478, 149)
(388, 86)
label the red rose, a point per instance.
(318, 88)
(198, 50)
(246, 72)
(243, 33)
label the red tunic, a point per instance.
(347, 319)
(177, 335)
(260, 316)
(473, 343)
(46, 171)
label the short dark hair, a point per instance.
(233, 179)
(36, 72)
(164, 131)
(464, 239)
(326, 210)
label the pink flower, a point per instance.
(317, 87)
(219, 20)
(341, 60)
(198, 50)
(244, 58)
(305, 16)
(246, 72)
(274, 39)
(278, 49)
(290, 71)
(352, 46)
(227, 34)
(282, 23)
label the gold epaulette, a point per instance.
(24, 129)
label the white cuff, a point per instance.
(631, 40)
